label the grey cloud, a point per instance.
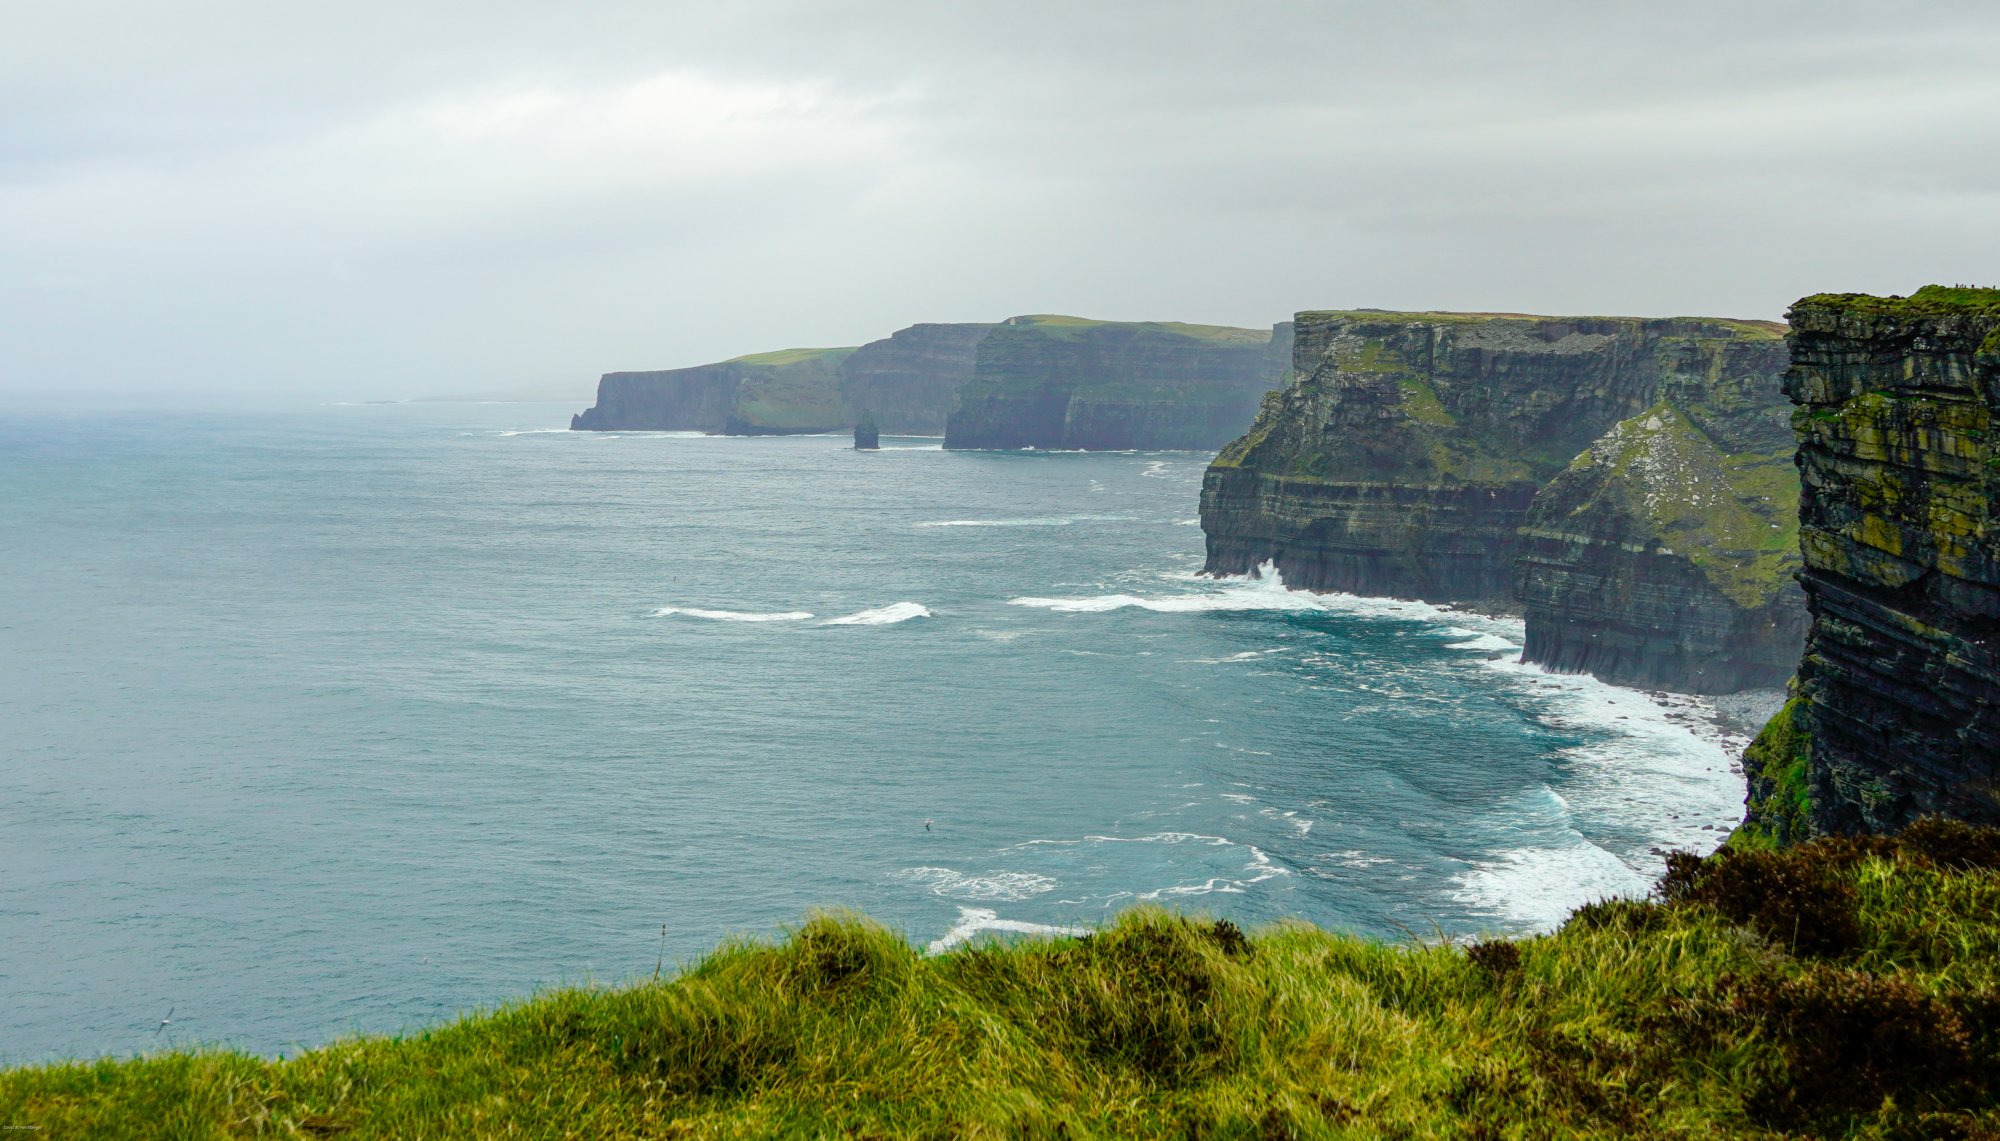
(376, 199)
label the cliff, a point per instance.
(1624, 481)
(1665, 554)
(1897, 709)
(911, 378)
(790, 391)
(1071, 383)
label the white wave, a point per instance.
(1260, 868)
(973, 920)
(733, 615)
(1540, 886)
(1266, 590)
(1187, 522)
(882, 615)
(1009, 887)
(1246, 593)
(1485, 642)
(1653, 775)
(911, 448)
(537, 431)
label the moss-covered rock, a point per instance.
(1896, 400)
(1779, 793)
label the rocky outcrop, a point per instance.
(911, 378)
(781, 393)
(1617, 479)
(1898, 696)
(1665, 554)
(867, 437)
(1071, 383)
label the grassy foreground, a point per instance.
(1839, 989)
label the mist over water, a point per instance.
(359, 718)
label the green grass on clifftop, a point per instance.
(1839, 989)
(1930, 301)
(780, 357)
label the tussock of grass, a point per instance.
(1841, 989)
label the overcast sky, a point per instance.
(390, 198)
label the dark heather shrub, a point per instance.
(1952, 844)
(1793, 898)
(1851, 1039)
(1497, 957)
(1229, 938)
(1631, 916)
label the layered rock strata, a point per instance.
(1897, 712)
(1617, 479)
(1069, 383)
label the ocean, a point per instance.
(358, 718)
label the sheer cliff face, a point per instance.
(794, 390)
(1066, 382)
(1616, 478)
(1665, 554)
(910, 379)
(1404, 459)
(1898, 709)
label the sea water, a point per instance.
(359, 718)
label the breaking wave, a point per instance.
(882, 615)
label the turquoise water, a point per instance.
(358, 718)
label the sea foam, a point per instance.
(882, 615)
(973, 920)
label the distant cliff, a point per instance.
(1615, 478)
(1071, 383)
(910, 379)
(790, 391)
(1897, 707)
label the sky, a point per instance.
(241, 201)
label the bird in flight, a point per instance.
(165, 1022)
(927, 825)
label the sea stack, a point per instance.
(866, 438)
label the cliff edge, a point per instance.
(1897, 706)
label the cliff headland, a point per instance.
(1624, 482)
